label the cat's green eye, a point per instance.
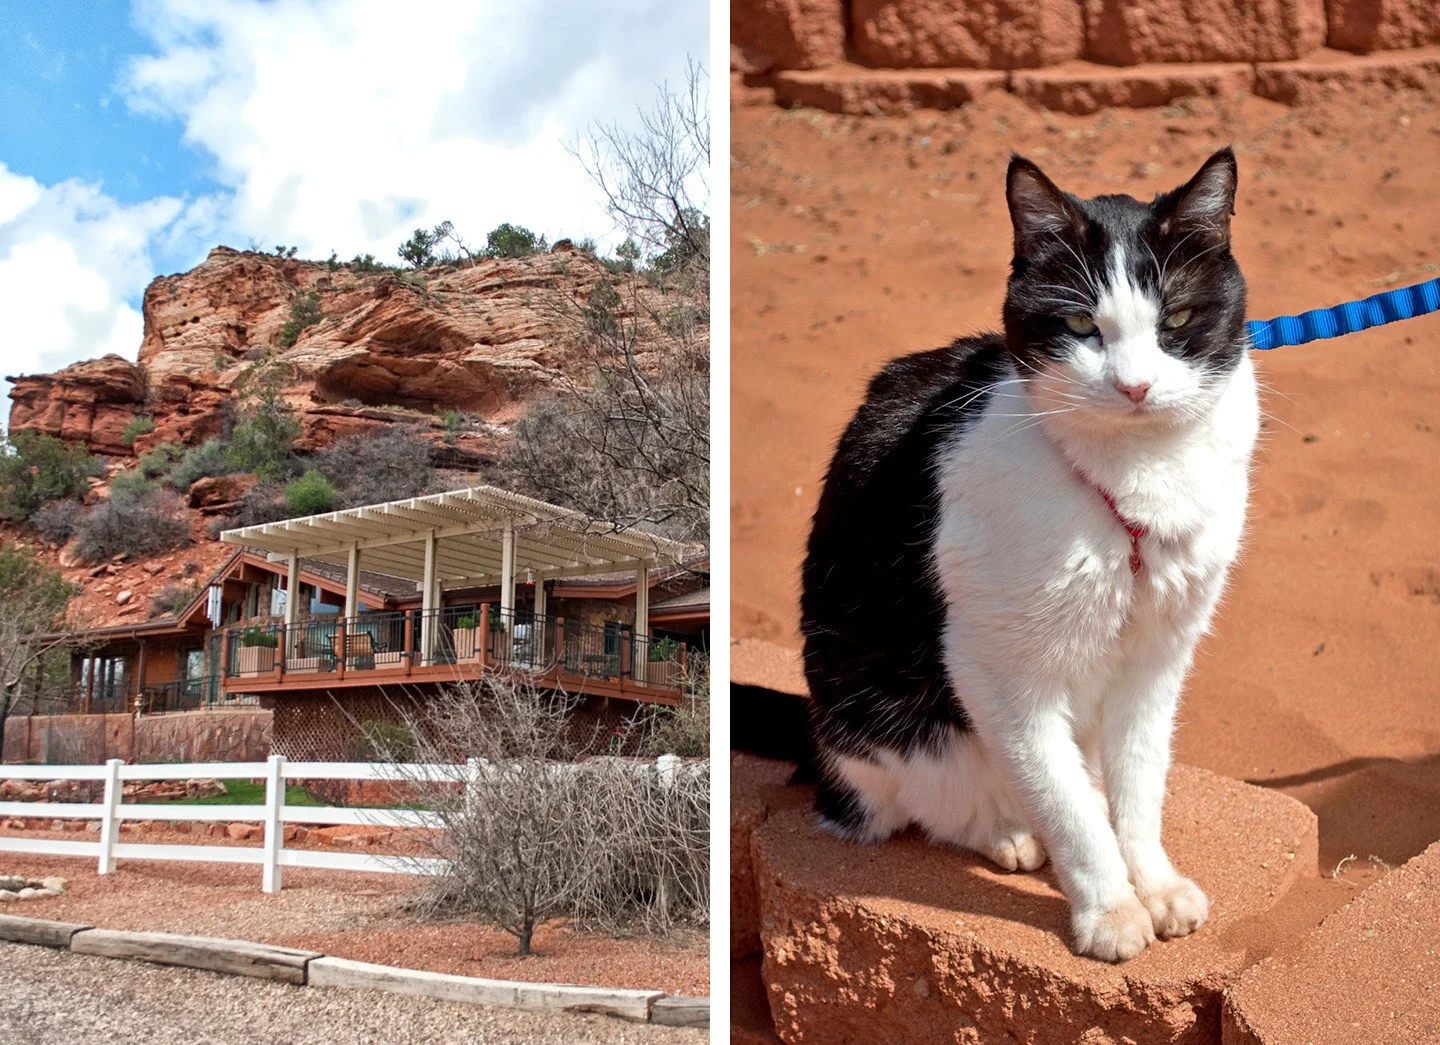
(1082, 325)
(1176, 320)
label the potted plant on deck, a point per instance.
(467, 645)
(257, 651)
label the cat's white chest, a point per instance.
(1037, 568)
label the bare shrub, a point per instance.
(55, 523)
(530, 834)
(378, 466)
(145, 523)
(172, 598)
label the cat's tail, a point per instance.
(772, 724)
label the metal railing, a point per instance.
(485, 636)
(195, 694)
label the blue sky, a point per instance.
(61, 115)
(136, 135)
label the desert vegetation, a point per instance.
(534, 833)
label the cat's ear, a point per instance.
(1205, 202)
(1038, 210)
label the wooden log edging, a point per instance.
(313, 969)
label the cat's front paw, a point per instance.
(1116, 935)
(1177, 908)
(1017, 851)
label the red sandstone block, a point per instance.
(766, 35)
(756, 784)
(1081, 87)
(1330, 72)
(1369, 973)
(909, 941)
(1130, 32)
(1383, 25)
(979, 34)
(858, 91)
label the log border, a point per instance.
(313, 969)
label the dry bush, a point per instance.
(387, 465)
(530, 834)
(143, 523)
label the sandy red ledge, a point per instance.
(909, 941)
(311, 968)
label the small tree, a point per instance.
(140, 424)
(311, 494)
(513, 241)
(419, 250)
(263, 440)
(33, 599)
(35, 469)
(305, 312)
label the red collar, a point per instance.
(1134, 529)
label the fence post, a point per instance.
(110, 815)
(473, 768)
(274, 829)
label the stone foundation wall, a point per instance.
(772, 35)
(191, 736)
(878, 56)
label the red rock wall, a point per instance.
(199, 736)
(773, 35)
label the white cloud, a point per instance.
(334, 124)
(345, 125)
(73, 263)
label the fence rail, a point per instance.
(273, 814)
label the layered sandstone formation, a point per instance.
(392, 348)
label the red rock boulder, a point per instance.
(1130, 32)
(767, 35)
(89, 402)
(1383, 25)
(982, 34)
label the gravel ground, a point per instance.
(58, 998)
(347, 915)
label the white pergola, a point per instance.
(465, 538)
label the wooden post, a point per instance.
(641, 665)
(507, 576)
(140, 672)
(537, 625)
(342, 643)
(559, 645)
(110, 815)
(427, 602)
(274, 829)
(292, 604)
(484, 642)
(409, 641)
(352, 582)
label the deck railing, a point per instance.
(483, 636)
(194, 694)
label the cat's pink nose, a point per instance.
(1135, 392)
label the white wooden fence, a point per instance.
(274, 814)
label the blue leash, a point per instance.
(1376, 310)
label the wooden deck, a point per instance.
(307, 679)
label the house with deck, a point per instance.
(339, 619)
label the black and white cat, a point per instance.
(1020, 541)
